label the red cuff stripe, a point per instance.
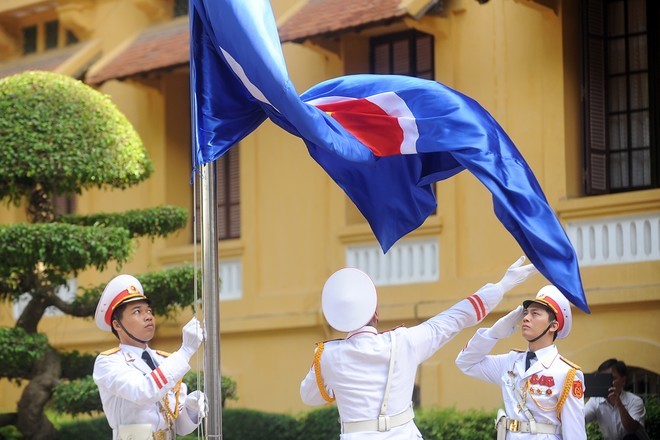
(481, 304)
(476, 309)
(161, 375)
(155, 378)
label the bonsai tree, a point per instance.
(59, 136)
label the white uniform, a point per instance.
(354, 370)
(540, 387)
(132, 393)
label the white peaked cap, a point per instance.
(120, 290)
(552, 298)
(349, 299)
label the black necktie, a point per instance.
(148, 360)
(528, 359)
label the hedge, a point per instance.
(322, 424)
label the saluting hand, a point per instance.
(506, 325)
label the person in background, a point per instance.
(141, 388)
(543, 392)
(371, 375)
(620, 415)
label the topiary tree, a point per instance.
(60, 137)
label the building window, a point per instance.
(406, 53)
(228, 195)
(52, 34)
(621, 107)
(70, 38)
(29, 40)
(180, 8)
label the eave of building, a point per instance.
(327, 18)
(72, 60)
(166, 46)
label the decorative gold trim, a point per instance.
(317, 373)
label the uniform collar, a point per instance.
(367, 329)
(134, 354)
(544, 359)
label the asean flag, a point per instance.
(384, 139)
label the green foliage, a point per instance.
(20, 350)
(228, 385)
(322, 424)
(10, 432)
(593, 431)
(152, 222)
(319, 424)
(76, 365)
(652, 420)
(62, 249)
(90, 429)
(246, 424)
(79, 396)
(450, 424)
(62, 135)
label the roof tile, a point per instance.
(322, 17)
(158, 47)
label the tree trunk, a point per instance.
(32, 421)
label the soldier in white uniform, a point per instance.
(543, 392)
(371, 375)
(141, 389)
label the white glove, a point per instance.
(193, 334)
(196, 404)
(506, 325)
(516, 274)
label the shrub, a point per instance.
(245, 424)
(450, 424)
(319, 424)
(97, 428)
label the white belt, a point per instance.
(513, 425)
(143, 432)
(382, 424)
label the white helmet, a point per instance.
(121, 289)
(349, 299)
(552, 298)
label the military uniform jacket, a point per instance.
(541, 386)
(132, 393)
(354, 370)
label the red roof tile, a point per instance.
(167, 45)
(158, 47)
(323, 17)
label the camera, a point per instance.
(597, 384)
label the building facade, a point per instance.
(574, 84)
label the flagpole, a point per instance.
(211, 301)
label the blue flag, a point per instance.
(384, 139)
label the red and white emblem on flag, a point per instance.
(382, 122)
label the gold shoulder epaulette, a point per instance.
(109, 352)
(163, 353)
(577, 367)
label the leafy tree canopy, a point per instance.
(64, 136)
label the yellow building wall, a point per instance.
(520, 63)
